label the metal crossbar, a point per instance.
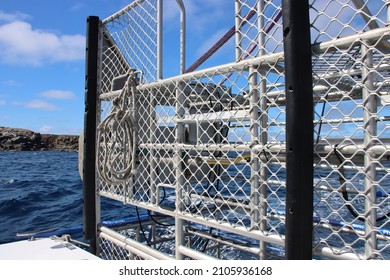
(209, 165)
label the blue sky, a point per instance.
(42, 51)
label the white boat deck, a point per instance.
(43, 249)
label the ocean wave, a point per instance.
(6, 181)
(11, 207)
(38, 191)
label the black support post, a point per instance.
(299, 129)
(89, 169)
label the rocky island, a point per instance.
(17, 139)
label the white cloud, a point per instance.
(2, 102)
(21, 44)
(13, 16)
(57, 94)
(45, 129)
(12, 83)
(37, 104)
(77, 7)
(40, 104)
(201, 12)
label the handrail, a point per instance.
(123, 11)
(182, 36)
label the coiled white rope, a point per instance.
(117, 136)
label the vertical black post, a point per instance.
(89, 169)
(299, 129)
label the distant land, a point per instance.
(18, 139)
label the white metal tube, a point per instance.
(238, 24)
(388, 11)
(194, 254)
(154, 191)
(182, 36)
(260, 27)
(365, 13)
(159, 39)
(350, 167)
(264, 61)
(134, 4)
(240, 230)
(370, 131)
(162, 185)
(356, 149)
(263, 127)
(255, 164)
(244, 115)
(353, 72)
(264, 160)
(147, 206)
(373, 35)
(344, 229)
(336, 254)
(152, 152)
(179, 176)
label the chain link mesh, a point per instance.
(351, 87)
(211, 144)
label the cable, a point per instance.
(344, 189)
(320, 120)
(152, 216)
(158, 222)
(141, 227)
(342, 184)
(207, 241)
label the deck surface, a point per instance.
(43, 249)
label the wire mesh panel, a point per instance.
(218, 159)
(128, 43)
(259, 33)
(351, 87)
(203, 154)
(131, 39)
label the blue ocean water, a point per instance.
(40, 191)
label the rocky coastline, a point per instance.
(17, 139)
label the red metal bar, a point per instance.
(227, 37)
(219, 44)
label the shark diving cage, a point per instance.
(282, 153)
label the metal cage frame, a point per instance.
(282, 153)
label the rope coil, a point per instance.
(117, 136)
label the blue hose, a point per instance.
(59, 232)
(79, 229)
(125, 221)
